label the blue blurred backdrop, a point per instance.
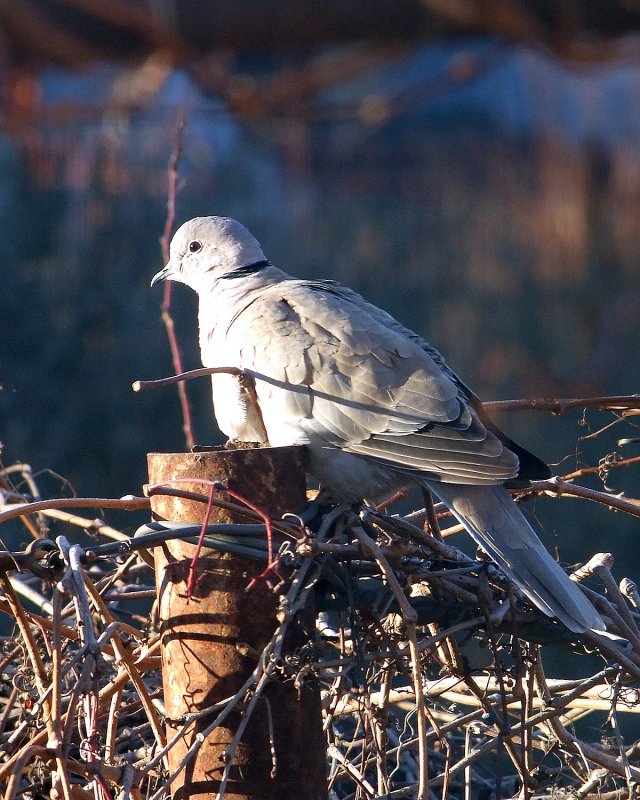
(484, 192)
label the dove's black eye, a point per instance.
(195, 246)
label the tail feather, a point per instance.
(497, 524)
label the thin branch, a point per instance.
(167, 319)
(141, 386)
(557, 486)
(128, 503)
(559, 405)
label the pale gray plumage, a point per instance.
(376, 406)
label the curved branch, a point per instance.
(560, 405)
(127, 503)
(559, 487)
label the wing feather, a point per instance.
(344, 372)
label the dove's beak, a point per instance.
(165, 273)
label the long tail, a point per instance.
(497, 524)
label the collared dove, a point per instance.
(376, 406)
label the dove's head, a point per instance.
(206, 248)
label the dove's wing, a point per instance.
(331, 366)
(336, 369)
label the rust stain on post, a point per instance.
(210, 642)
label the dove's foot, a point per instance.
(236, 444)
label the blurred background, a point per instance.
(471, 165)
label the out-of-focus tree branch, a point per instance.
(73, 32)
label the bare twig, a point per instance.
(559, 487)
(405, 715)
(201, 372)
(129, 503)
(167, 319)
(560, 405)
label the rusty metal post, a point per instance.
(210, 642)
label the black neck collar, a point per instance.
(248, 269)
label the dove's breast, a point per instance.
(234, 411)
